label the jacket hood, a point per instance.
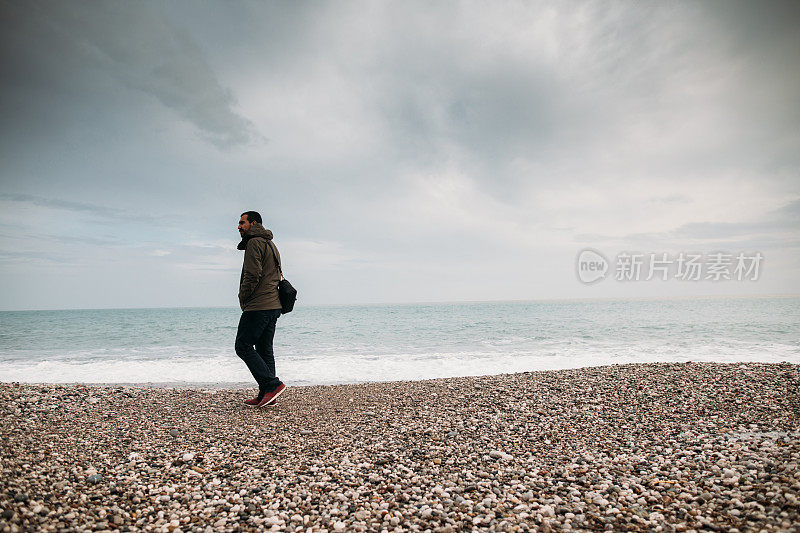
(254, 231)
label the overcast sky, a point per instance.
(400, 151)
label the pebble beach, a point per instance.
(640, 447)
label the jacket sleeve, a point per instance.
(252, 271)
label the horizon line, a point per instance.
(437, 302)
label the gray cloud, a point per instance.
(93, 210)
(154, 56)
(670, 199)
(776, 228)
(9, 256)
(56, 203)
(785, 219)
(638, 92)
(59, 238)
(132, 43)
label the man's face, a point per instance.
(244, 225)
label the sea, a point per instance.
(362, 343)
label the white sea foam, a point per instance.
(346, 367)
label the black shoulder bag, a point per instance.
(286, 293)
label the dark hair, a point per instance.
(252, 216)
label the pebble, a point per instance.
(661, 447)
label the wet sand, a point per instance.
(663, 447)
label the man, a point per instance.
(261, 307)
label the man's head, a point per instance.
(247, 219)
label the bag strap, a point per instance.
(275, 257)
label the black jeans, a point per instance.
(257, 328)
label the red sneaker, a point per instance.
(270, 397)
(253, 401)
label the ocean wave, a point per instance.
(348, 367)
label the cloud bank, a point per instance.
(448, 151)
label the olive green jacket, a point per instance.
(258, 285)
